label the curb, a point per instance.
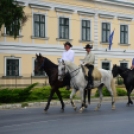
(55, 103)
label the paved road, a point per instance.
(35, 121)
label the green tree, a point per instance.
(10, 11)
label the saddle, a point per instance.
(95, 74)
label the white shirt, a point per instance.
(68, 55)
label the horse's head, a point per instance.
(115, 70)
(62, 70)
(39, 63)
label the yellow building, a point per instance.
(53, 22)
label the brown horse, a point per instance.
(51, 70)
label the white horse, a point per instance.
(79, 82)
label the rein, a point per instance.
(74, 71)
(69, 72)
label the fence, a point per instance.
(21, 82)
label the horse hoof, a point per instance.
(113, 108)
(81, 110)
(45, 111)
(62, 110)
(96, 109)
(75, 108)
(127, 105)
(86, 106)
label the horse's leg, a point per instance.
(71, 99)
(89, 95)
(111, 93)
(100, 92)
(49, 99)
(128, 94)
(82, 100)
(85, 95)
(60, 98)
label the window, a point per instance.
(105, 32)
(124, 34)
(13, 28)
(64, 28)
(124, 65)
(106, 65)
(39, 25)
(86, 30)
(40, 73)
(12, 67)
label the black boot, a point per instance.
(91, 82)
(67, 81)
(90, 85)
(90, 78)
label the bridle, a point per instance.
(42, 65)
(64, 73)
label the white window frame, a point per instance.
(86, 18)
(45, 14)
(33, 73)
(101, 29)
(90, 28)
(64, 16)
(120, 32)
(18, 58)
(106, 61)
(69, 27)
(125, 62)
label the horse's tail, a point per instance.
(113, 88)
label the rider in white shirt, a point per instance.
(68, 55)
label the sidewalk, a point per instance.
(55, 103)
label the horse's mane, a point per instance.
(49, 63)
(123, 69)
(72, 65)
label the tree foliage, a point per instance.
(10, 11)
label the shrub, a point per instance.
(121, 92)
(29, 94)
(44, 93)
(15, 95)
(120, 81)
(105, 92)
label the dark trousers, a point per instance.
(90, 78)
(67, 79)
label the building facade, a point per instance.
(53, 22)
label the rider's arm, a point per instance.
(90, 59)
(71, 56)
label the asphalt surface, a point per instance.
(35, 121)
